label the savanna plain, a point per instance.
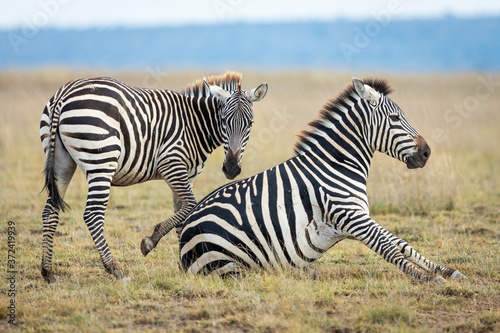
(449, 211)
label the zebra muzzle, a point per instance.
(231, 166)
(419, 159)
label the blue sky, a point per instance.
(113, 13)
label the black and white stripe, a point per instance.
(120, 135)
(292, 214)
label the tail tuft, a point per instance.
(51, 186)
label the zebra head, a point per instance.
(236, 119)
(388, 128)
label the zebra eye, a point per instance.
(394, 117)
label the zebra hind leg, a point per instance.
(97, 201)
(230, 269)
(61, 174)
(312, 272)
(50, 218)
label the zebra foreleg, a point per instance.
(177, 207)
(374, 236)
(184, 193)
(409, 253)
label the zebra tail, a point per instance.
(50, 177)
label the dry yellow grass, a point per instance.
(449, 211)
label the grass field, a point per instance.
(449, 211)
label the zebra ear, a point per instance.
(217, 91)
(258, 93)
(365, 91)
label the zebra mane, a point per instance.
(231, 81)
(335, 106)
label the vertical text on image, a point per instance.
(11, 271)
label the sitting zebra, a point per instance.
(120, 135)
(292, 214)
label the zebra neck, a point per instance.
(339, 135)
(209, 124)
(333, 148)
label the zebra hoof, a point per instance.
(118, 274)
(313, 273)
(48, 275)
(125, 279)
(439, 279)
(146, 246)
(457, 276)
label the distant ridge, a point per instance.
(450, 44)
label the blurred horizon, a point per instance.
(161, 36)
(448, 44)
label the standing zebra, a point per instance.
(121, 135)
(293, 213)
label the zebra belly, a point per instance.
(139, 173)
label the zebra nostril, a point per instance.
(426, 154)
